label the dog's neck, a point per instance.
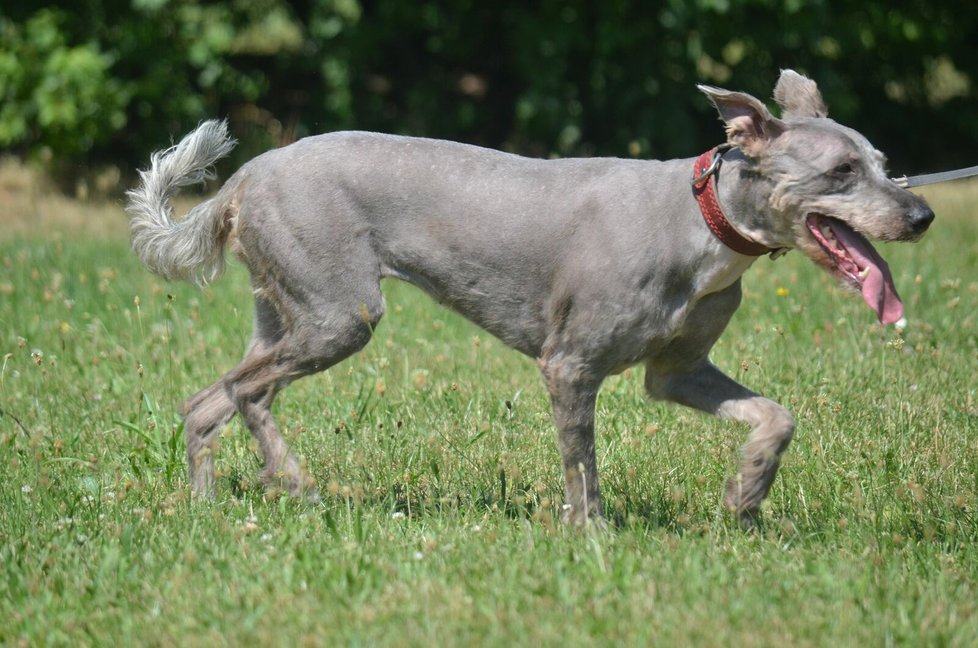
(705, 171)
(744, 195)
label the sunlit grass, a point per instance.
(435, 453)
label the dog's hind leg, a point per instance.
(291, 342)
(706, 388)
(204, 414)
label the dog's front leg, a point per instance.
(573, 392)
(706, 388)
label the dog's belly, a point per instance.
(500, 306)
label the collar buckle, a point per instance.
(714, 166)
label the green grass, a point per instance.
(436, 456)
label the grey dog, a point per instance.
(587, 265)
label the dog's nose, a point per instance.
(920, 218)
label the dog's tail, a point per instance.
(191, 248)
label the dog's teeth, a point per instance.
(864, 273)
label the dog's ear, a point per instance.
(750, 125)
(799, 96)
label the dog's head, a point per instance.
(824, 186)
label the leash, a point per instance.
(931, 178)
(705, 170)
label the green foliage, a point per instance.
(54, 94)
(110, 80)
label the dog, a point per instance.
(588, 266)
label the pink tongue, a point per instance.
(878, 289)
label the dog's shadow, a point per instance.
(646, 512)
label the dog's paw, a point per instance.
(296, 483)
(591, 521)
(747, 515)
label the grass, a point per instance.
(435, 453)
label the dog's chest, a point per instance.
(719, 272)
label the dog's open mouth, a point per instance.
(856, 262)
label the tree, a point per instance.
(107, 81)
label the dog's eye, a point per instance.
(845, 168)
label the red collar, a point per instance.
(705, 189)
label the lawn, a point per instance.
(435, 453)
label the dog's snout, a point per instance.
(920, 217)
